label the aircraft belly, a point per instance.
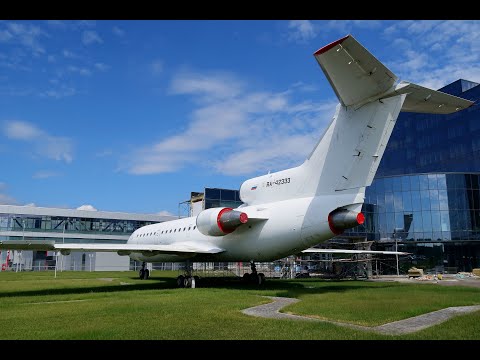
(161, 257)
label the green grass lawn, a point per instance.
(89, 305)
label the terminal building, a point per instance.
(68, 226)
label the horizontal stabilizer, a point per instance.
(424, 100)
(353, 72)
(341, 251)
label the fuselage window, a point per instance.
(194, 227)
(189, 228)
(184, 228)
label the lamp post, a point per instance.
(396, 250)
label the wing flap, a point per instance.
(342, 251)
(177, 248)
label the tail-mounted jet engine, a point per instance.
(220, 221)
(342, 219)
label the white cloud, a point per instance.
(30, 204)
(437, 52)
(45, 174)
(235, 122)
(104, 153)
(61, 92)
(117, 31)
(157, 67)
(79, 70)
(101, 66)
(87, 207)
(6, 199)
(69, 54)
(25, 34)
(91, 37)
(165, 213)
(53, 147)
(301, 30)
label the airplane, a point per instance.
(289, 211)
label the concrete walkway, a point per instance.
(406, 326)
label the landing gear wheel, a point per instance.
(246, 277)
(181, 281)
(187, 282)
(141, 274)
(261, 279)
(146, 274)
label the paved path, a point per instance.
(406, 326)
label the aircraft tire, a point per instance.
(187, 282)
(261, 279)
(141, 274)
(181, 281)
(246, 277)
(146, 274)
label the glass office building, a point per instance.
(425, 196)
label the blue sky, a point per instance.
(134, 115)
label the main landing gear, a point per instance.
(187, 280)
(143, 273)
(254, 277)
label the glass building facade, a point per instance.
(425, 197)
(221, 198)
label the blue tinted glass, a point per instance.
(405, 183)
(414, 182)
(397, 184)
(434, 202)
(437, 236)
(425, 196)
(227, 195)
(212, 193)
(372, 188)
(427, 221)
(432, 181)
(436, 223)
(389, 202)
(460, 181)
(398, 203)
(399, 223)
(473, 181)
(416, 201)
(446, 235)
(407, 201)
(475, 199)
(382, 222)
(441, 181)
(416, 225)
(423, 182)
(388, 183)
(381, 202)
(380, 186)
(444, 221)
(390, 223)
(443, 199)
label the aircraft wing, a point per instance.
(177, 248)
(342, 251)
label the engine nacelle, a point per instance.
(220, 221)
(342, 219)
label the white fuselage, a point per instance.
(293, 225)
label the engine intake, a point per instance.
(342, 219)
(220, 221)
